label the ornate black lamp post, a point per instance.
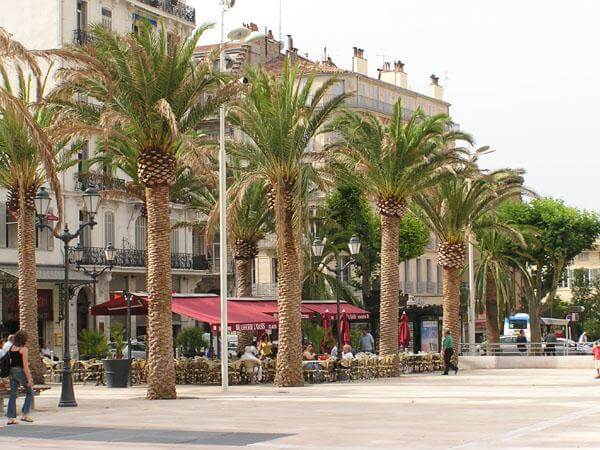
(318, 246)
(109, 256)
(91, 200)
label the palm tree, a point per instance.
(23, 170)
(147, 94)
(392, 162)
(448, 209)
(279, 116)
(495, 272)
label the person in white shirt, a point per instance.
(583, 338)
(7, 345)
(347, 355)
(248, 355)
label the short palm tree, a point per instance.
(495, 273)
(147, 93)
(448, 209)
(249, 221)
(279, 116)
(23, 170)
(392, 162)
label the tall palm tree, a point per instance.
(392, 162)
(279, 116)
(448, 209)
(147, 93)
(23, 170)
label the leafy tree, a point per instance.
(191, 340)
(392, 162)
(586, 293)
(562, 232)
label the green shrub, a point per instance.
(92, 344)
(117, 334)
(191, 341)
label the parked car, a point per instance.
(507, 346)
(138, 349)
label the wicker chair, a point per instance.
(268, 365)
(249, 371)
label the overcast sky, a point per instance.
(521, 74)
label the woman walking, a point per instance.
(20, 375)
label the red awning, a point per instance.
(354, 312)
(202, 307)
(270, 307)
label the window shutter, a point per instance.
(2, 225)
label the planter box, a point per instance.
(116, 372)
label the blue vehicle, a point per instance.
(515, 323)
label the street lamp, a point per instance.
(42, 201)
(109, 256)
(318, 246)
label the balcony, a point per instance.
(371, 104)
(94, 256)
(82, 37)
(98, 180)
(174, 7)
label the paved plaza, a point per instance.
(500, 409)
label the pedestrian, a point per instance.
(522, 342)
(448, 351)
(596, 353)
(19, 375)
(550, 340)
(366, 343)
(583, 339)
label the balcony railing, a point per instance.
(82, 37)
(264, 290)
(174, 7)
(94, 256)
(371, 104)
(98, 180)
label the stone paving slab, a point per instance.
(481, 409)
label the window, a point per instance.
(337, 88)
(82, 157)
(274, 274)
(585, 256)
(85, 237)
(347, 271)
(406, 271)
(109, 228)
(11, 229)
(198, 242)
(81, 15)
(44, 240)
(175, 240)
(419, 275)
(107, 18)
(428, 272)
(141, 230)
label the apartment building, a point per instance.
(45, 24)
(421, 278)
(589, 262)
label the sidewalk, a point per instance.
(511, 409)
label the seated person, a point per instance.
(265, 348)
(309, 353)
(347, 355)
(248, 355)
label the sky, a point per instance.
(521, 75)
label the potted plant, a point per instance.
(191, 341)
(117, 368)
(92, 345)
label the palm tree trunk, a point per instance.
(243, 280)
(289, 353)
(492, 332)
(451, 305)
(535, 301)
(161, 367)
(390, 285)
(243, 277)
(28, 303)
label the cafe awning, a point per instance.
(269, 306)
(202, 307)
(320, 307)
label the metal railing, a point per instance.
(94, 256)
(559, 348)
(370, 104)
(98, 180)
(264, 289)
(431, 287)
(82, 37)
(174, 7)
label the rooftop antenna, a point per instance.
(384, 58)
(280, 16)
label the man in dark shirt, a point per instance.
(521, 342)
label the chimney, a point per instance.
(436, 91)
(359, 63)
(290, 44)
(395, 75)
(270, 35)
